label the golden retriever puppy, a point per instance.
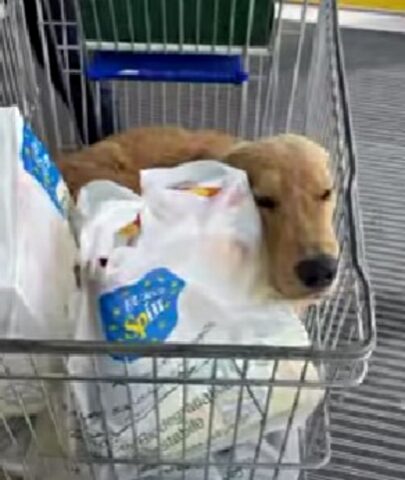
(289, 176)
(291, 182)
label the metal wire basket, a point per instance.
(296, 83)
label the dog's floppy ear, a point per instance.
(241, 156)
(248, 156)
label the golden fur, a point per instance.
(289, 176)
(120, 157)
(293, 172)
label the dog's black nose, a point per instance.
(317, 272)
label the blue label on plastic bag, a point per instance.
(145, 312)
(38, 163)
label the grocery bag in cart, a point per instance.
(37, 254)
(183, 264)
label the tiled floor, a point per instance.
(369, 426)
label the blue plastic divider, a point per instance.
(167, 67)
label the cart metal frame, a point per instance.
(297, 83)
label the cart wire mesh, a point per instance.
(296, 83)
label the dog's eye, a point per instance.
(266, 202)
(326, 195)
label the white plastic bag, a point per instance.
(37, 254)
(190, 272)
(205, 218)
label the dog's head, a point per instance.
(293, 188)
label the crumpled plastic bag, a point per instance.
(37, 255)
(183, 266)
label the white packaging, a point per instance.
(207, 223)
(190, 272)
(37, 254)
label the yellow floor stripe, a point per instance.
(390, 5)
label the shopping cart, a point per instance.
(294, 80)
